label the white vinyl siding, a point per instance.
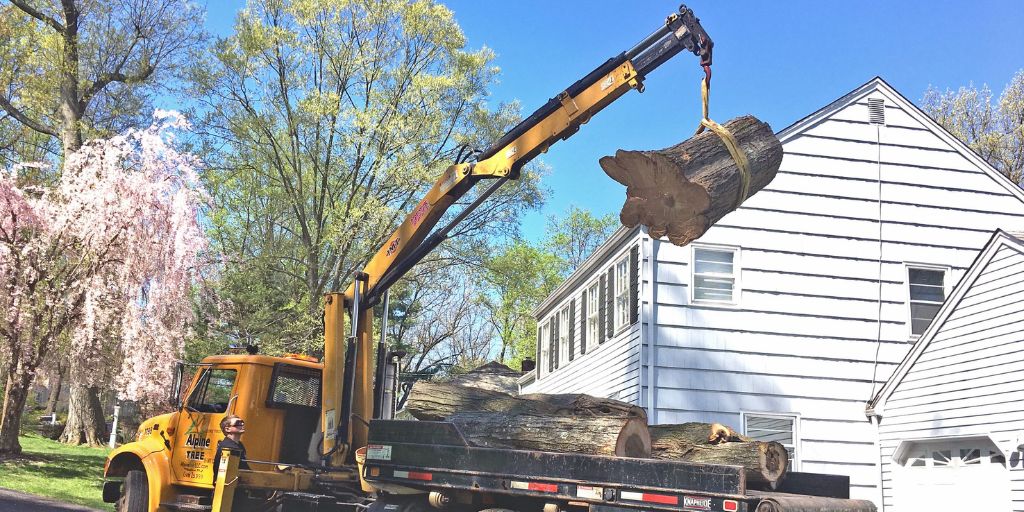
(714, 274)
(781, 428)
(594, 313)
(927, 292)
(621, 293)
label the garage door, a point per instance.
(963, 474)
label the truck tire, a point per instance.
(134, 493)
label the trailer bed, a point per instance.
(405, 456)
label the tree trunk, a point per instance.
(623, 437)
(763, 462)
(15, 395)
(55, 389)
(85, 424)
(434, 401)
(682, 190)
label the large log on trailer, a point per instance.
(593, 435)
(680, 191)
(435, 401)
(765, 463)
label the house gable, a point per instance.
(991, 289)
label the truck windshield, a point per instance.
(213, 392)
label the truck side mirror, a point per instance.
(175, 397)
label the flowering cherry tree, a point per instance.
(104, 258)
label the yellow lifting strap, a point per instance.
(730, 143)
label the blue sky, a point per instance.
(779, 61)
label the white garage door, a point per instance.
(963, 474)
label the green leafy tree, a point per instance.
(994, 129)
(574, 236)
(326, 123)
(516, 279)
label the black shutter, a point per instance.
(609, 297)
(551, 343)
(601, 292)
(583, 323)
(572, 329)
(634, 284)
(557, 346)
(539, 360)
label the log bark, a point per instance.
(681, 191)
(594, 435)
(434, 401)
(764, 462)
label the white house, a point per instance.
(788, 315)
(951, 418)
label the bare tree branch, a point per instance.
(24, 119)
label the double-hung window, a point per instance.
(545, 354)
(927, 293)
(594, 312)
(781, 428)
(563, 336)
(714, 274)
(621, 293)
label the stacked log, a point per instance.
(682, 190)
(576, 423)
(765, 463)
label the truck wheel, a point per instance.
(134, 493)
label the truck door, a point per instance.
(198, 429)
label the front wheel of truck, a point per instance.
(135, 493)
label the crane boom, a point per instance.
(347, 377)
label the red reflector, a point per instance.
(413, 475)
(661, 498)
(730, 506)
(534, 486)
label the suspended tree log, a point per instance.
(434, 401)
(765, 463)
(680, 191)
(593, 435)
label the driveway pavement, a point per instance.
(14, 501)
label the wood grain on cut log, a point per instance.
(764, 462)
(680, 191)
(434, 401)
(623, 437)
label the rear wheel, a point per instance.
(134, 493)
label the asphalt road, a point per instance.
(13, 501)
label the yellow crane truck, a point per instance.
(307, 420)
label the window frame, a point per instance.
(620, 299)
(946, 288)
(545, 344)
(795, 450)
(202, 387)
(594, 314)
(563, 335)
(735, 275)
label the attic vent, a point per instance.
(876, 111)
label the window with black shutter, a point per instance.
(601, 313)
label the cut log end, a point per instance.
(680, 191)
(634, 440)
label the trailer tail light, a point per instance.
(730, 506)
(414, 475)
(664, 499)
(533, 486)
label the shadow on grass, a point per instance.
(62, 466)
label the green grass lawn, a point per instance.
(71, 474)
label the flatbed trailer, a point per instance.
(420, 465)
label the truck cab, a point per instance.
(171, 460)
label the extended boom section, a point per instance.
(558, 119)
